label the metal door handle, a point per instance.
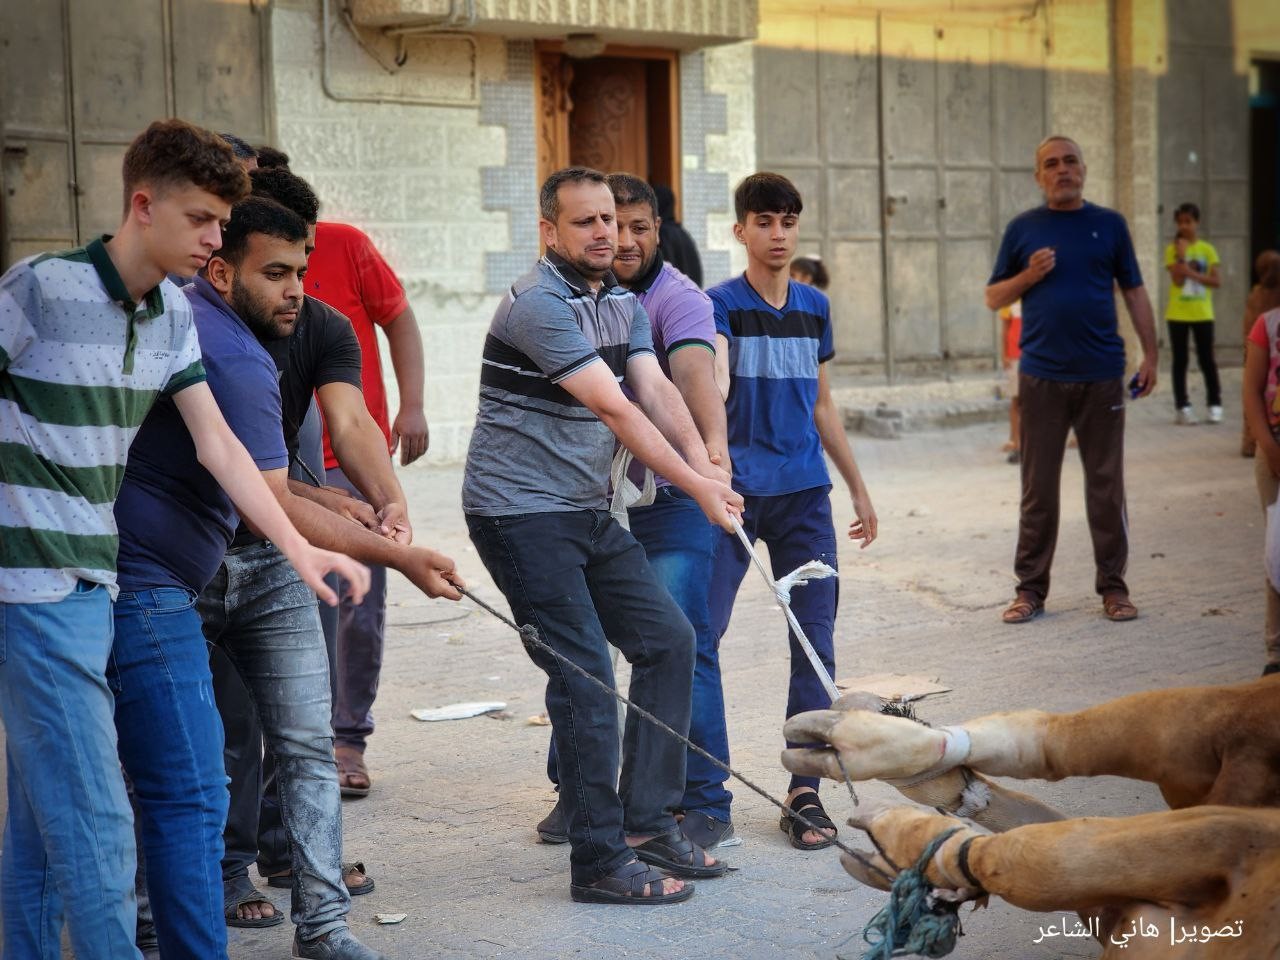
(891, 203)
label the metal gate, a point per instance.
(913, 144)
(80, 78)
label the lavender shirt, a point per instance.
(681, 316)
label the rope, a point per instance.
(914, 921)
(529, 636)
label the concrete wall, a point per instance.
(410, 176)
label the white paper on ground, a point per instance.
(389, 917)
(458, 711)
(894, 686)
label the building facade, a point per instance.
(909, 124)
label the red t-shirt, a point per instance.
(347, 272)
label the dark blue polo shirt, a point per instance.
(1069, 318)
(175, 521)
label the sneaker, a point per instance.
(708, 831)
(336, 945)
(1187, 416)
(1215, 414)
(554, 828)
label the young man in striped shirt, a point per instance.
(89, 340)
(774, 340)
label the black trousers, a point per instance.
(1202, 331)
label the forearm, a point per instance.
(1004, 292)
(324, 528)
(404, 342)
(702, 396)
(320, 495)
(361, 450)
(230, 464)
(665, 408)
(1144, 324)
(647, 445)
(826, 417)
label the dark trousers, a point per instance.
(1095, 410)
(584, 582)
(796, 527)
(1202, 331)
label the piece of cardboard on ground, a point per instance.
(893, 686)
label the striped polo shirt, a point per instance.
(80, 366)
(774, 356)
(535, 448)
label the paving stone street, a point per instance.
(448, 830)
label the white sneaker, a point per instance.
(1215, 414)
(1187, 416)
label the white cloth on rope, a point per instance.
(625, 492)
(812, 570)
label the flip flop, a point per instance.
(679, 856)
(238, 891)
(632, 883)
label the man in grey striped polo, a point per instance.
(561, 343)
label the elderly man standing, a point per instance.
(1063, 260)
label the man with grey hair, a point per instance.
(1063, 260)
(561, 344)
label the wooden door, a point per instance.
(608, 118)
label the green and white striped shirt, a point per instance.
(80, 366)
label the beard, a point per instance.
(258, 315)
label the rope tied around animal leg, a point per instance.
(914, 922)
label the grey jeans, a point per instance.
(264, 619)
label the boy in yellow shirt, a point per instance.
(1193, 266)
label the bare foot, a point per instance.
(256, 910)
(809, 836)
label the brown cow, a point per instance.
(1204, 867)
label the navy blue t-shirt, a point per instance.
(773, 367)
(175, 521)
(1069, 318)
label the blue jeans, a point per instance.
(680, 542)
(580, 578)
(68, 842)
(797, 527)
(171, 748)
(263, 617)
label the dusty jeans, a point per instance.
(264, 618)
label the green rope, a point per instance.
(914, 922)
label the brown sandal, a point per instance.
(1118, 608)
(353, 775)
(1024, 609)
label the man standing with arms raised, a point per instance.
(1063, 260)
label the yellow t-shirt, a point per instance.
(1193, 300)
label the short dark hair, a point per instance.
(549, 195)
(271, 157)
(814, 267)
(239, 147)
(258, 214)
(1188, 208)
(766, 193)
(628, 190)
(172, 153)
(287, 189)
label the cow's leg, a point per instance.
(1179, 856)
(1170, 737)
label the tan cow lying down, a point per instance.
(1186, 873)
